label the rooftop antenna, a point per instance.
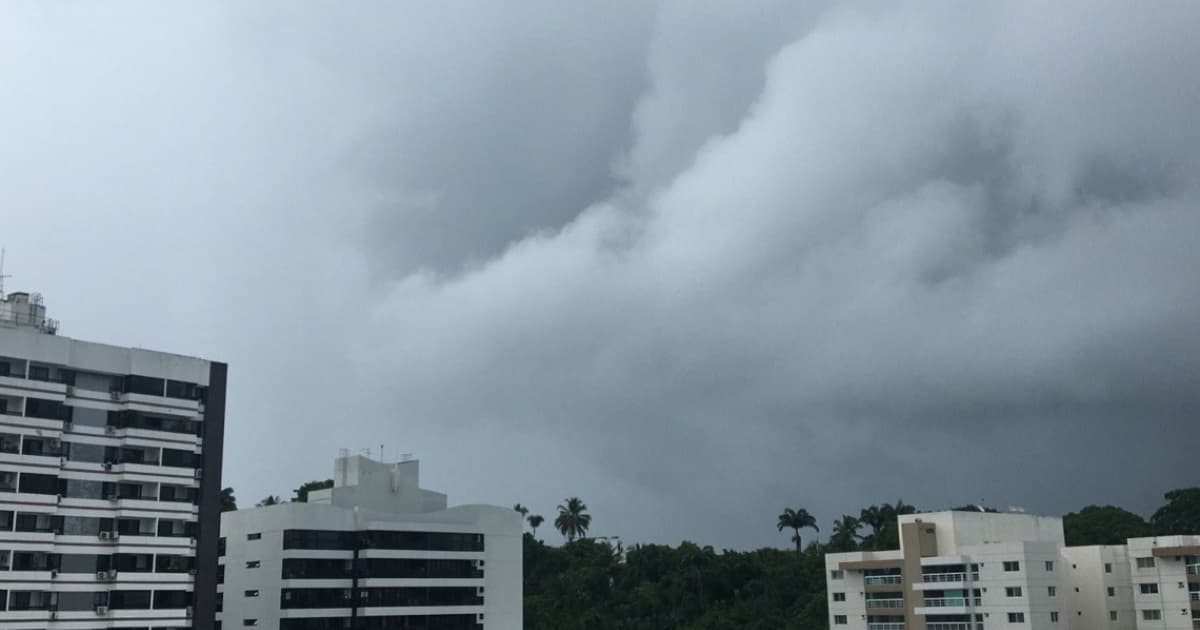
(2, 274)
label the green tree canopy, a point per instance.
(796, 520)
(1103, 525)
(300, 495)
(573, 520)
(1180, 515)
(269, 500)
(228, 501)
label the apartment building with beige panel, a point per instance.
(978, 571)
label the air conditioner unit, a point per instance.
(68, 426)
(189, 612)
(115, 394)
(102, 610)
(110, 429)
(53, 573)
(70, 390)
(111, 574)
(199, 473)
(102, 575)
(55, 443)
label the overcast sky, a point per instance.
(693, 262)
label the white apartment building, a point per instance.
(110, 471)
(375, 552)
(983, 571)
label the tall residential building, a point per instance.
(374, 552)
(982, 571)
(110, 480)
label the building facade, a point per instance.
(979, 571)
(110, 480)
(374, 552)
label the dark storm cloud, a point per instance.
(692, 262)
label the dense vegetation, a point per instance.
(589, 584)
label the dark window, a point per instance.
(424, 541)
(34, 561)
(317, 568)
(9, 442)
(418, 568)
(253, 564)
(422, 596)
(145, 385)
(172, 599)
(46, 409)
(253, 536)
(33, 483)
(317, 539)
(251, 593)
(179, 459)
(180, 494)
(129, 600)
(133, 563)
(314, 598)
(46, 447)
(6, 520)
(39, 373)
(221, 546)
(406, 622)
(151, 422)
(8, 481)
(175, 528)
(41, 523)
(181, 389)
(29, 600)
(174, 564)
(82, 563)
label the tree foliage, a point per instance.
(795, 520)
(228, 501)
(590, 584)
(573, 520)
(300, 495)
(1180, 515)
(270, 499)
(1103, 525)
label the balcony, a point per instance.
(1195, 595)
(885, 603)
(950, 602)
(1193, 569)
(949, 625)
(881, 580)
(931, 578)
(891, 625)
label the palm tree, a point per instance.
(845, 532)
(872, 517)
(797, 520)
(573, 519)
(521, 508)
(534, 521)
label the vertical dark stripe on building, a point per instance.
(208, 529)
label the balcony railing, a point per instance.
(879, 580)
(1195, 595)
(946, 602)
(1193, 569)
(946, 577)
(949, 625)
(885, 603)
(891, 625)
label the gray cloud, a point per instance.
(692, 263)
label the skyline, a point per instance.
(692, 265)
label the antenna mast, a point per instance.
(2, 274)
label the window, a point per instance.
(1011, 566)
(252, 593)
(835, 574)
(839, 597)
(1053, 617)
(1016, 617)
(1112, 615)
(1145, 563)
(1112, 592)
(1012, 591)
(253, 564)
(1108, 567)
(1149, 588)
(1052, 591)
(1049, 565)
(249, 622)
(253, 536)
(1152, 615)
(839, 620)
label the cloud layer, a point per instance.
(691, 263)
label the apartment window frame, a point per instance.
(1151, 614)
(839, 597)
(1146, 562)
(1148, 588)
(1016, 617)
(1014, 591)
(1012, 566)
(839, 620)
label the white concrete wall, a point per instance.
(1170, 575)
(1091, 572)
